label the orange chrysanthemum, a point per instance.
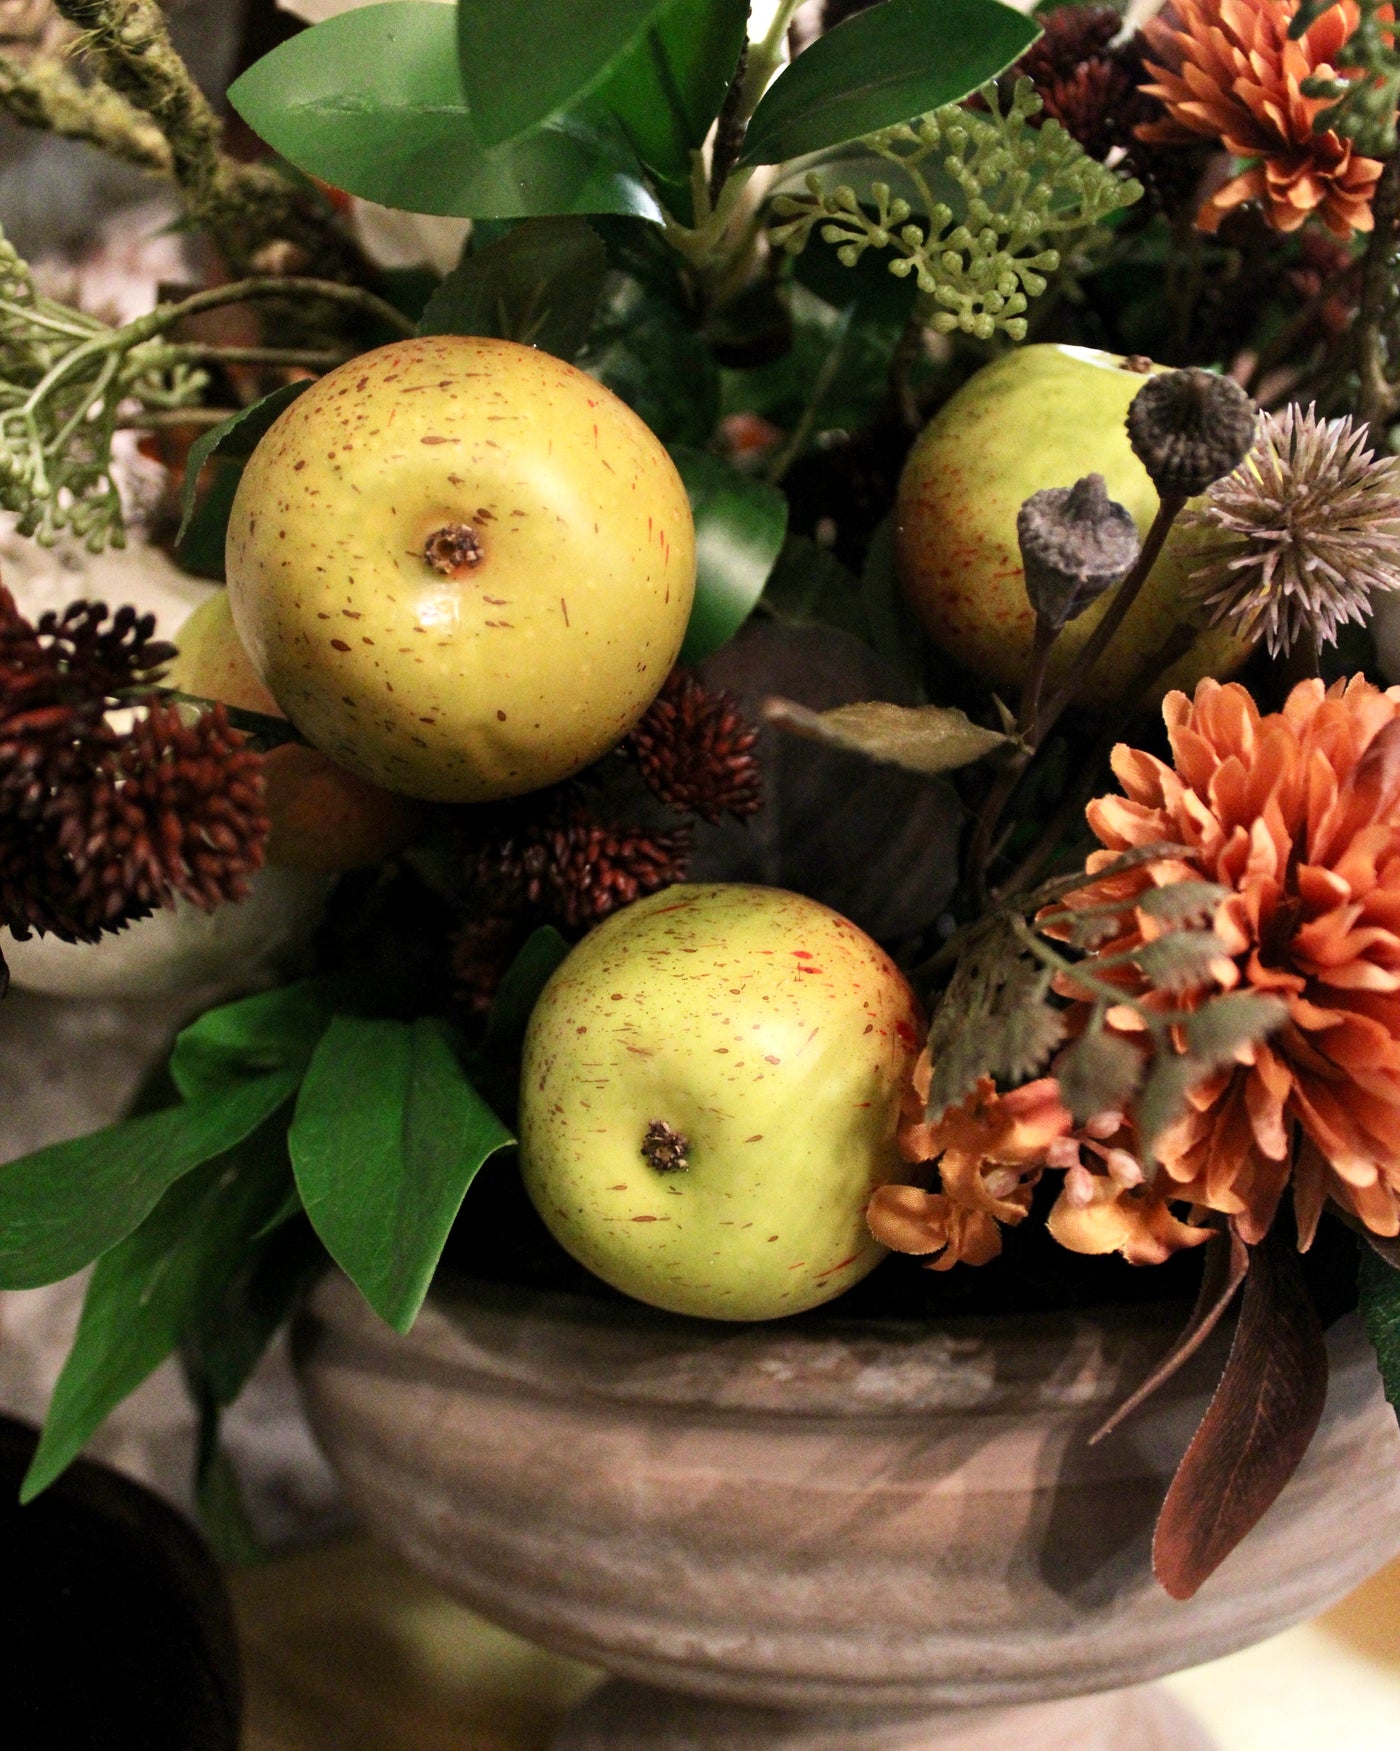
(1298, 815)
(1228, 71)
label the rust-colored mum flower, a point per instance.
(990, 1149)
(1227, 70)
(1297, 814)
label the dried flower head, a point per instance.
(696, 750)
(1297, 816)
(1075, 544)
(1108, 1204)
(1301, 533)
(1083, 85)
(1189, 427)
(1227, 70)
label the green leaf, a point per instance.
(274, 1030)
(895, 632)
(1380, 1311)
(153, 1286)
(739, 528)
(388, 1135)
(64, 1206)
(810, 586)
(235, 438)
(518, 992)
(885, 66)
(645, 348)
(668, 87)
(372, 102)
(927, 739)
(539, 284)
(523, 59)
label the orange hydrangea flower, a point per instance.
(1227, 71)
(1297, 814)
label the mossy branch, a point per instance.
(42, 93)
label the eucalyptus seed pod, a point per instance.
(1076, 542)
(1188, 428)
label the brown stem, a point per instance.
(1375, 396)
(1168, 510)
(1041, 645)
(1275, 351)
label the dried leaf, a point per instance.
(1260, 1421)
(922, 738)
(1182, 902)
(994, 1019)
(1099, 1073)
(1179, 959)
(1219, 1028)
(1226, 1265)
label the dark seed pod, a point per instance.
(1188, 428)
(1075, 544)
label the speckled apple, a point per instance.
(1040, 416)
(710, 1089)
(462, 567)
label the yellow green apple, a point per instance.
(322, 816)
(462, 567)
(1038, 417)
(710, 1088)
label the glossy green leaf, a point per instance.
(388, 1134)
(274, 1030)
(523, 59)
(896, 61)
(739, 528)
(1380, 1311)
(64, 1206)
(644, 348)
(667, 88)
(372, 102)
(539, 284)
(235, 438)
(894, 628)
(518, 992)
(810, 586)
(148, 1290)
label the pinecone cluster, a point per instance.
(553, 858)
(100, 826)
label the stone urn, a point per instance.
(819, 1533)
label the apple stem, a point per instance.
(665, 1149)
(454, 548)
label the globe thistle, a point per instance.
(1301, 533)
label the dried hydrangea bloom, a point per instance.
(1108, 1204)
(1301, 534)
(1297, 814)
(1227, 70)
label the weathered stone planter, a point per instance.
(823, 1534)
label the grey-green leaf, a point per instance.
(388, 1135)
(1098, 1073)
(1219, 1028)
(928, 739)
(152, 1287)
(882, 67)
(64, 1206)
(539, 284)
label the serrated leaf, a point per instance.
(1182, 902)
(1380, 1312)
(739, 528)
(149, 1289)
(876, 70)
(1178, 959)
(1057, 887)
(372, 102)
(539, 285)
(928, 739)
(1260, 1421)
(523, 60)
(1099, 1073)
(236, 439)
(388, 1135)
(273, 1030)
(64, 1206)
(1217, 1030)
(994, 1018)
(1163, 1097)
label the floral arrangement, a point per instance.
(875, 286)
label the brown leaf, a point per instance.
(1260, 1421)
(921, 738)
(1226, 1264)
